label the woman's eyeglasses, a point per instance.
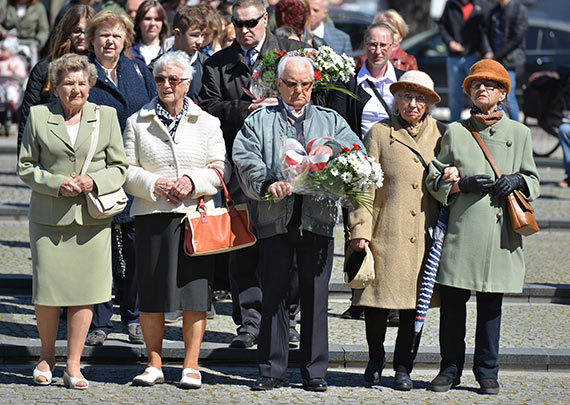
(173, 81)
(488, 84)
(380, 45)
(292, 84)
(407, 98)
(247, 23)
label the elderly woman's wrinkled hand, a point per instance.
(451, 174)
(85, 183)
(182, 187)
(162, 187)
(69, 188)
(280, 189)
(359, 244)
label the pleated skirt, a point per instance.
(71, 264)
(169, 280)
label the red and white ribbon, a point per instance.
(296, 155)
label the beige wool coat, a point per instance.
(404, 209)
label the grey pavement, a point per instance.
(111, 384)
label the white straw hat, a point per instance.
(417, 81)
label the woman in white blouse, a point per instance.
(151, 29)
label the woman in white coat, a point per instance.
(171, 147)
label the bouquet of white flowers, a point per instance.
(330, 67)
(345, 178)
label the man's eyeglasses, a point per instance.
(292, 84)
(77, 31)
(407, 98)
(173, 81)
(247, 23)
(488, 84)
(381, 45)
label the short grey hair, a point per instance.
(178, 58)
(288, 58)
(71, 62)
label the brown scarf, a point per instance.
(413, 131)
(487, 119)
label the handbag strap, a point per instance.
(229, 202)
(484, 148)
(94, 140)
(379, 96)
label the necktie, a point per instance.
(250, 56)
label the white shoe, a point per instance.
(190, 382)
(45, 374)
(153, 376)
(71, 382)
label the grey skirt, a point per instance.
(71, 264)
(168, 279)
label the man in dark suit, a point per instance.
(338, 40)
(226, 74)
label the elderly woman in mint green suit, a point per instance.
(481, 252)
(71, 251)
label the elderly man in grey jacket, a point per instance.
(291, 225)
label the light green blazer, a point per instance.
(47, 157)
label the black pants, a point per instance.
(314, 254)
(245, 283)
(102, 313)
(452, 332)
(376, 322)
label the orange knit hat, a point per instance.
(487, 69)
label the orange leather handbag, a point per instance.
(218, 230)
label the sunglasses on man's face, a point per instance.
(172, 80)
(247, 23)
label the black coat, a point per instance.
(349, 107)
(468, 33)
(225, 75)
(514, 25)
(34, 94)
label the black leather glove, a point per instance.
(480, 183)
(507, 184)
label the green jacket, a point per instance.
(481, 252)
(47, 158)
(33, 25)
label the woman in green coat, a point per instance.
(481, 252)
(71, 251)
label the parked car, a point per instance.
(354, 23)
(547, 48)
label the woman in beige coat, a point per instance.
(404, 210)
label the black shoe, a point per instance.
(315, 384)
(135, 333)
(443, 383)
(373, 373)
(172, 317)
(393, 317)
(266, 384)
(96, 338)
(489, 386)
(353, 312)
(243, 340)
(402, 381)
(294, 337)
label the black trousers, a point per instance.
(376, 320)
(314, 254)
(245, 285)
(452, 332)
(102, 313)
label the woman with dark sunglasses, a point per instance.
(172, 147)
